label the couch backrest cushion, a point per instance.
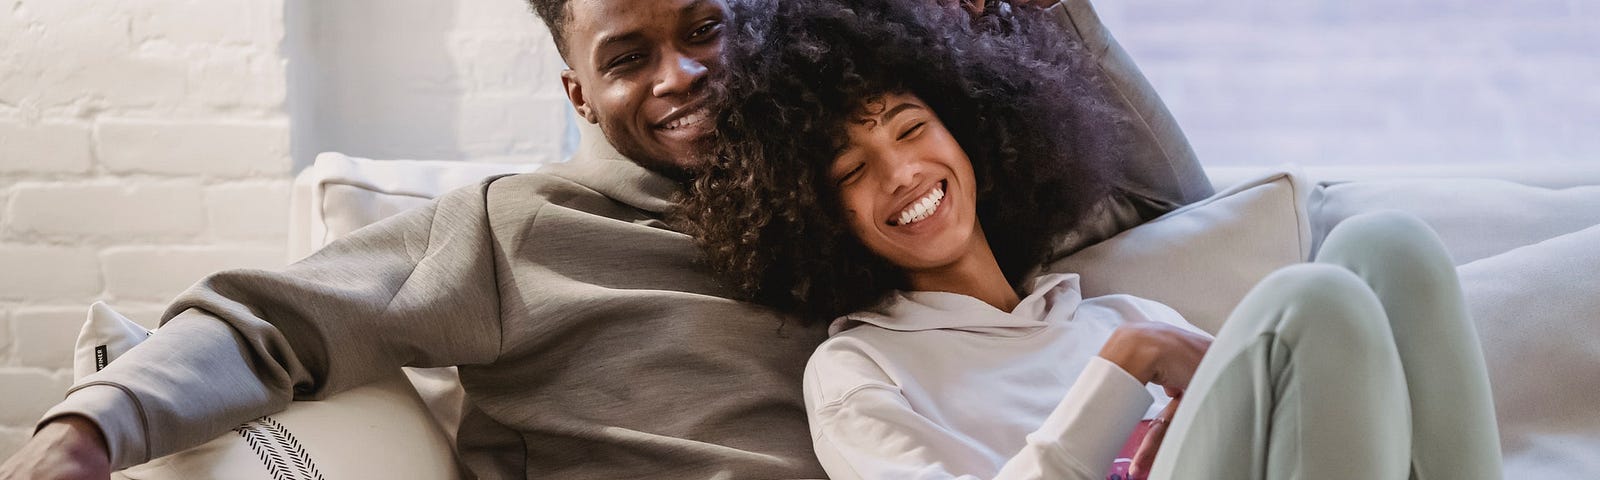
(1537, 309)
(1160, 168)
(1203, 258)
(1476, 217)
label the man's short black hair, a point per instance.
(555, 16)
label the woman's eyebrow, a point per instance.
(872, 123)
(889, 115)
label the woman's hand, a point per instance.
(1155, 352)
(1145, 457)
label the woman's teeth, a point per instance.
(922, 209)
(686, 120)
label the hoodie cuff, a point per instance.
(1097, 415)
(116, 412)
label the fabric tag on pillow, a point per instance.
(105, 336)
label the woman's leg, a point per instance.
(1302, 382)
(1454, 434)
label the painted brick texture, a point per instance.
(143, 144)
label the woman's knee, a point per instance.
(1383, 238)
(1317, 303)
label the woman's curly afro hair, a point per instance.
(1020, 96)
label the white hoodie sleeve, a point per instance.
(872, 433)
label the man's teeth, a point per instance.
(698, 116)
(922, 209)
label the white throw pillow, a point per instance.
(339, 193)
(1203, 258)
(1537, 309)
(352, 434)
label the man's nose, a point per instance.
(684, 74)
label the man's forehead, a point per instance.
(594, 20)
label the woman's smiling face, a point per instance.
(905, 185)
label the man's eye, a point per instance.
(911, 131)
(625, 60)
(710, 28)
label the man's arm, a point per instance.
(68, 447)
(417, 289)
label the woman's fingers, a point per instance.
(1145, 457)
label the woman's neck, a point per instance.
(976, 274)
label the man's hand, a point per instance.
(69, 447)
(976, 7)
(1145, 457)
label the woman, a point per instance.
(897, 167)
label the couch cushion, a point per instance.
(1159, 168)
(1202, 259)
(348, 435)
(1476, 217)
(1537, 309)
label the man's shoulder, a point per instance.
(519, 197)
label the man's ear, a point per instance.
(569, 81)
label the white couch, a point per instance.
(1526, 240)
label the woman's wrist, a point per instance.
(1132, 352)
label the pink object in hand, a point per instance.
(1124, 460)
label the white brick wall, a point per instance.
(426, 79)
(143, 144)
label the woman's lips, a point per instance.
(922, 208)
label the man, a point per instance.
(590, 341)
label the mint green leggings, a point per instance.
(1362, 365)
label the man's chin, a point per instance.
(676, 163)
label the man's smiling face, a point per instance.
(638, 68)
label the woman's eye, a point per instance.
(851, 175)
(911, 131)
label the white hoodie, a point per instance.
(936, 385)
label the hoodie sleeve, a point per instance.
(872, 432)
(417, 289)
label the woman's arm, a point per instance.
(872, 432)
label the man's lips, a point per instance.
(685, 116)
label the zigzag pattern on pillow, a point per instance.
(280, 452)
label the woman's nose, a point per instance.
(904, 172)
